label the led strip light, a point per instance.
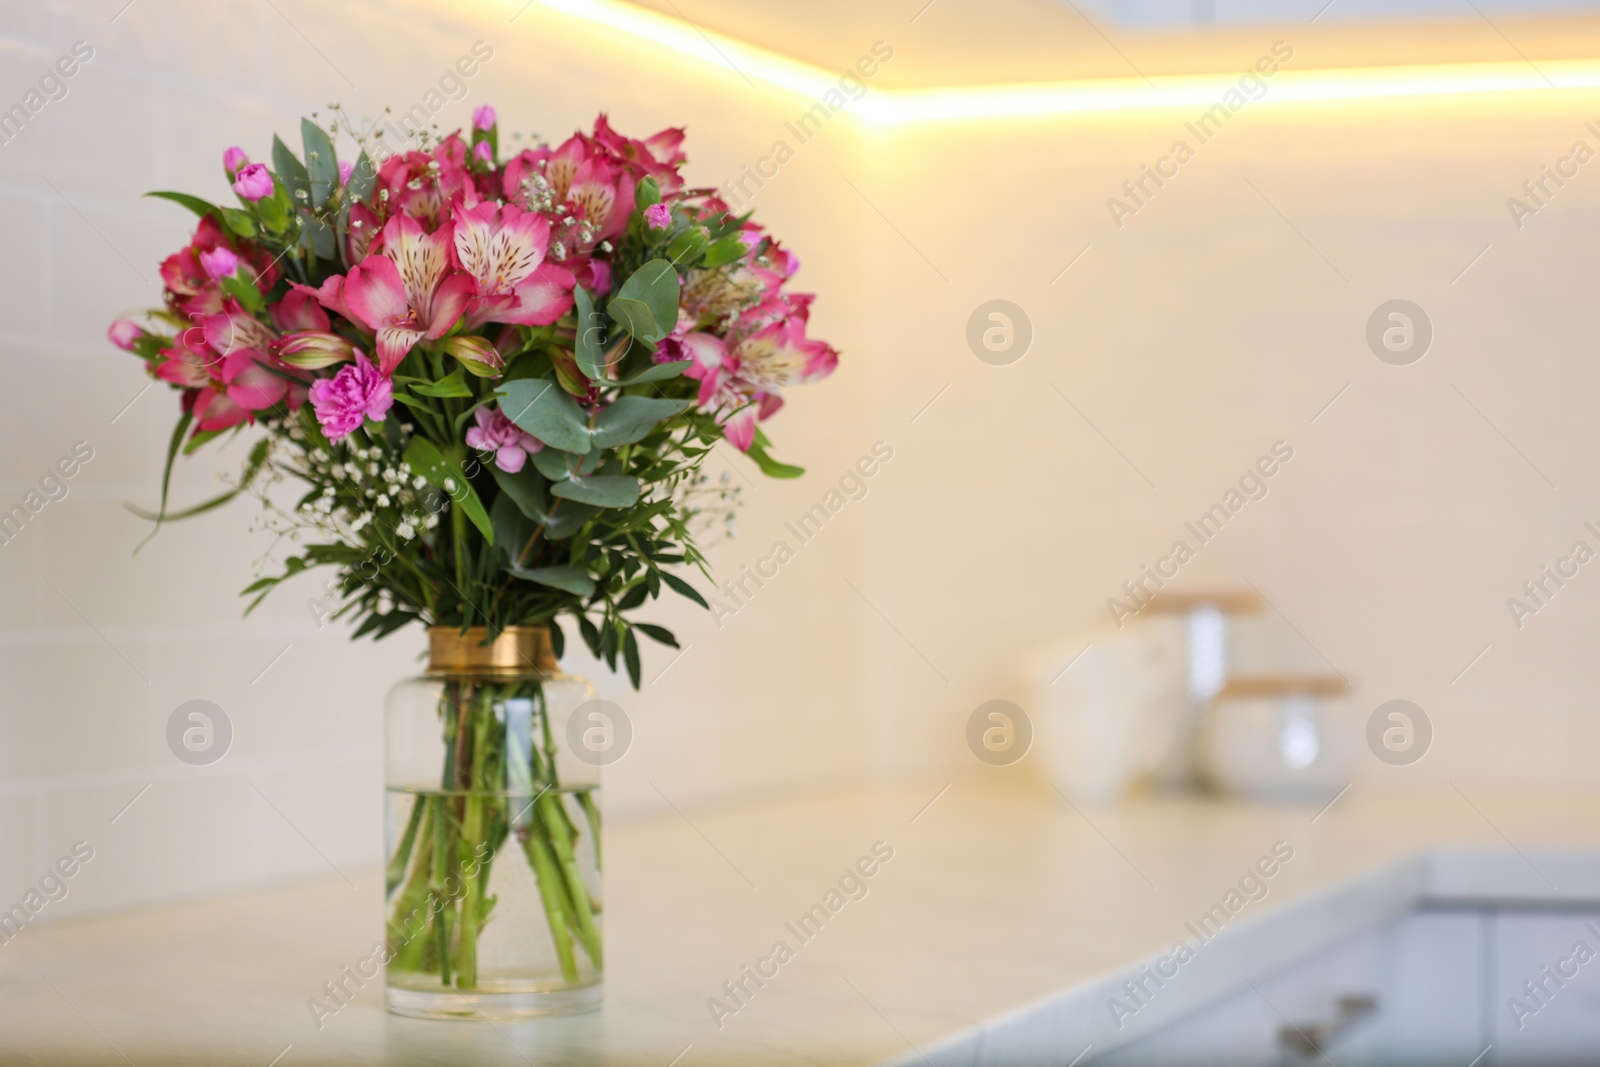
(891, 106)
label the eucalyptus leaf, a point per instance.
(658, 373)
(588, 345)
(631, 418)
(604, 490)
(544, 409)
(525, 489)
(635, 317)
(656, 286)
(512, 528)
(322, 165)
(290, 170)
(567, 517)
(363, 178)
(573, 580)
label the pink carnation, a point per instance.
(356, 393)
(658, 216)
(123, 333)
(254, 182)
(483, 118)
(219, 262)
(346, 169)
(498, 434)
(234, 159)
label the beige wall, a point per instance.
(1205, 329)
(1193, 338)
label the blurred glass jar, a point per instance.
(1277, 738)
(492, 827)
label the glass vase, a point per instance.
(492, 829)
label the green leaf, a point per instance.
(363, 179)
(253, 465)
(166, 474)
(316, 236)
(321, 162)
(591, 636)
(658, 634)
(689, 246)
(451, 385)
(630, 418)
(725, 251)
(512, 528)
(635, 317)
(412, 402)
(201, 439)
(630, 656)
(685, 589)
(769, 466)
(567, 517)
(553, 463)
(587, 345)
(559, 466)
(193, 203)
(574, 580)
(525, 489)
(544, 409)
(560, 518)
(605, 491)
(239, 222)
(658, 373)
(244, 292)
(434, 466)
(656, 286)
(290, 170)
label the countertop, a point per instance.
(994, 899)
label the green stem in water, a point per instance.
(547, 874)
(402, 853)
(445, 912)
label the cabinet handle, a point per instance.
(1310, 1039)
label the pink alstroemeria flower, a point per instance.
(253, 182)
(496, 433)
(123, 333)
(297, 311)
(358, 392)
(219, 263)
(407, 293)
(503, 247)
(742, 384)
(234, 160)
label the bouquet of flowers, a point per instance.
(496, 376)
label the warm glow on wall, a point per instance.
(891, 106)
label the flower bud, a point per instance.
(311, 349)
(647, 192)
(254, 182)
(477, 354)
